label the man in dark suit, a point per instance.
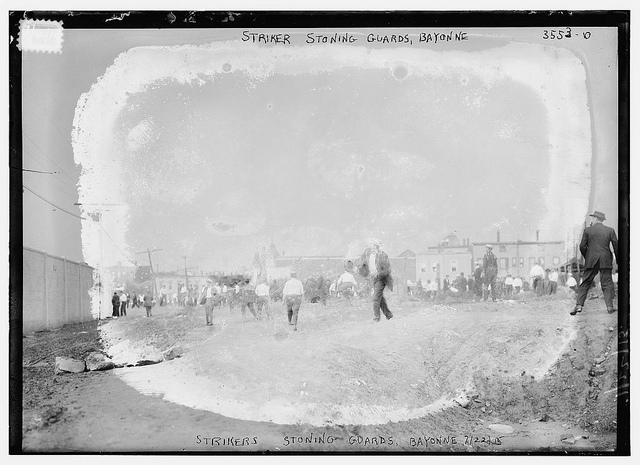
(595, 248)
(375, 263)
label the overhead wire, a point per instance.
(53, 204)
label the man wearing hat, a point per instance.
(209, 295)
(595, 247)
(292, 298)
(490, 270)
(377, 266)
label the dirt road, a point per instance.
(449, 376)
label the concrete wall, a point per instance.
(55, 291)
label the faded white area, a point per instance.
(350, 373)
(556, 75)
(182, 386)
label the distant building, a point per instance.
(331, 266)
(517, 258)
(172, 280)
(449, 257)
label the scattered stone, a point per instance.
(579, 366)
(483, 409)
(499, 428)
(174, 352)
(610, 328)
(96, 361)
(569, 440)
(599, 370)
(545, 418)
(462, 400)
(600, 359)
(69, 365)
(150, 356)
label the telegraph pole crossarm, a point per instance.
(153, 277)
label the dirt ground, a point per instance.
(440, 377)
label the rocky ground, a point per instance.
(447, 376)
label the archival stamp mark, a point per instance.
(39, 35)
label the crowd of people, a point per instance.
(371, 274)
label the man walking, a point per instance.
(209, 295)
(115, 305)
(292, 298)
(537, 278)
(262, 292)
(490, 270)
(553, 281)
(595, 247)
(376, 264)
(148, 302)
(123, 304)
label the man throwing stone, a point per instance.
(375, 263)
(596, 250)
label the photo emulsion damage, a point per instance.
(377, 238)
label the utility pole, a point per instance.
(101, 283)
(153, 278)
(186, 276)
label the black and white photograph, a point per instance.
(319, 232)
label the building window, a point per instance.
(503, 248)
(556, 260)
(521, 262)
(504, 263)
(423, 268)
(514, 262)
(454, 266)
(434, 267)
(541, 261)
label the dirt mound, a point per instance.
(341, 368)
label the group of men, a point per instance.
(374, 264)
(120, 302)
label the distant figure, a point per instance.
(123, 304)
(346, 284)
(208, 294)
(433, 288)
(292, 299)
(148, 302)
(163, 296)
(133, 300)
(553, 281)
(490, 270)
(477, 280)
(376, 263)
(446, 284)
(508, 284)
(262, 293)
(517, 284)
(461, 283)
(409, 287)
(537, 276)
(115, 304)
(470, 284)
(332, 289)
(323, 289)
(595, 247)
